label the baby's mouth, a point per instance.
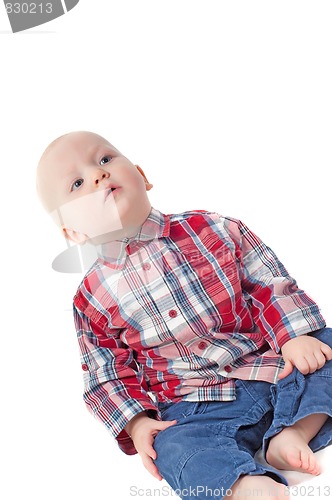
(109, 190)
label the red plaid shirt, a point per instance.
(192, 302)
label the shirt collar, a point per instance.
(114, 253)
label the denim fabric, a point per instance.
(298, 396)
(214, 443)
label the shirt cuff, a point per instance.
(124, 441)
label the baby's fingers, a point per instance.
(327, 351)
(315, 360)
(163, 424)
(148, 454)
(288, 368)
(150, 466)
(305, 365)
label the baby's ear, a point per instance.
(147, 183)
(75, 236)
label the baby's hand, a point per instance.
(143, 430)
(307, 354)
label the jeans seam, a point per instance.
(257, 401)
(184, 459)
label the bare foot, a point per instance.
(289, 450)
(263, 487)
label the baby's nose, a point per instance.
(100, 176)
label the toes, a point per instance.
(305, 461)
(294, 459)
(310, 464)
(315, 468)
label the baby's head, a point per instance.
(91, 190)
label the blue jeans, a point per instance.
(214, 443)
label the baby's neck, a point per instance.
(119, 235)
(127, 232)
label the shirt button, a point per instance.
(228, 368)
(172, 313)
(85, 367)
(146, 266)
(202, 345)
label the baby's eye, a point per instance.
(76, 184)
(105, 159)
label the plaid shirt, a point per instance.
(192, 302)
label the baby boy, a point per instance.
(197, 346)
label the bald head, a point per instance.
(58, 158)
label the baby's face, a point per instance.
(94, 191)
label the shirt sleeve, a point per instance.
(281, 310)
(114, 387)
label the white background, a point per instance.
(226, 106)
